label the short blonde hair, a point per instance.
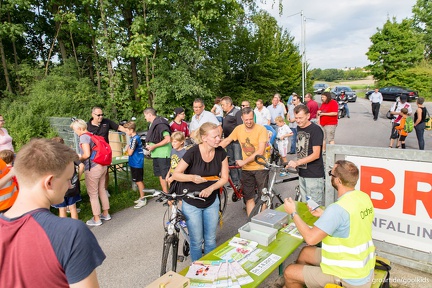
(279, 119)
(7, 156)
(130, 125)
(41, 157)
(203, 130)
(178, 135)
(79, 123)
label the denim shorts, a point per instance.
(68, 201)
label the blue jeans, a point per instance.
(234, 153)
(312, 187)
(202, 224)
(293, 141)
(420, 134)
(346, 109)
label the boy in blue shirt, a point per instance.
(136, 161)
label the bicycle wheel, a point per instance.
(169, 254)
(223, 199)
(259, 206)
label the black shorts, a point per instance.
(402, 138)
(137, 174)
(161, 166)
(251, 179)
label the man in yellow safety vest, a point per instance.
(347, 256)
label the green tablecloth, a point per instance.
(284, 245)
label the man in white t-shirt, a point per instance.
(262, 114)
(200, 117)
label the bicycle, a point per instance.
(174, 224)
(268, 194)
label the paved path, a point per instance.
(132, 240)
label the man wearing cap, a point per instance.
(178, 124)
(397, 115)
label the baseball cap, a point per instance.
(294, 93)
(178, 110)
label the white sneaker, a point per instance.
(137, 201)
(141, 203)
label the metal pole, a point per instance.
(302, 53)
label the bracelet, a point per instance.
(293, 214)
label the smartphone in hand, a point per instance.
(311, 203)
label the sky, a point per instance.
(337, 31)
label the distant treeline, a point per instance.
(331, 75)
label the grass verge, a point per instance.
(125, 196)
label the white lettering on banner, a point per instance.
(401, 192)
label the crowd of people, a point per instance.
(48, 173)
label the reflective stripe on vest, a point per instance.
(352, 257)
(10, 194)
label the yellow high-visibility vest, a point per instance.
(352, 257)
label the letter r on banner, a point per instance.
(412, 195)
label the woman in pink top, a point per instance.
(328, 118)
(5, 138)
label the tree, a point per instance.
(394, 48)
(422, 11)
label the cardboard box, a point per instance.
(271, 218)
(262, 234)
(170, 280)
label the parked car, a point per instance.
(319, 88)
(392, 92)
(352, 96)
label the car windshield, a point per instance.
(346, 89)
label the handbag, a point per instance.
(428, 121)
(389, 115)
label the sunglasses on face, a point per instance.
(99, 115)
(331, 174)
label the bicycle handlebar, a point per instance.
(260, 159)
(186, 193)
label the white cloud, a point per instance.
(338, 32)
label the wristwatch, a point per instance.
(292, 214)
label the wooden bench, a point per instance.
(379, 276)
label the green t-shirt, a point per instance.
(163, 151)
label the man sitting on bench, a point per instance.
(347, 256)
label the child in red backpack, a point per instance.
(402, 133)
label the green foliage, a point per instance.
(53, 96)
(394, 48)
(331, 75)
(418, 78)
(422, 11)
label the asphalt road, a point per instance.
(132, 240)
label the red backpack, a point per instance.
(101, 152)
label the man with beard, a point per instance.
(309, 157)
(252, 138)
(347, 256)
